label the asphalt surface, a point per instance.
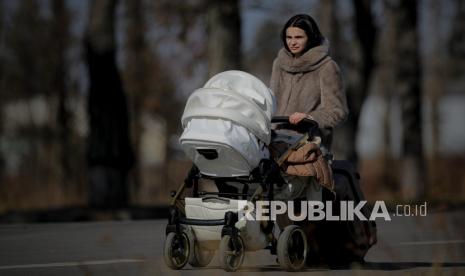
(430, 245)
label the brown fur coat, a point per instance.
(311, 84)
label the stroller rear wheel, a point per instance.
(176, 250)
(201, 257)
(292, 248)
(232, 251)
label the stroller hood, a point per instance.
(235, 96)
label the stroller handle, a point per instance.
(304, 126)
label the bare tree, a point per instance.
(456, 42)
(2, 49)
(330, 27)
(150, 88)
(357, 67)
(35, 72)
(2, 46)
(135, 76)
(60, 30)
(109, 150)
(224, 36)
(29, 57)
(435, 82)
(407, 76)
(365, 31)
(28, 74)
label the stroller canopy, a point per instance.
(235, 96)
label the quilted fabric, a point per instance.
(309, 161)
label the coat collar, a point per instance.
(309, 61)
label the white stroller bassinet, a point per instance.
(227, 131)
(227, 124)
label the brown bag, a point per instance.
(308, 160)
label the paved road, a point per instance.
(434, 245)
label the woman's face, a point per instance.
(296, 40)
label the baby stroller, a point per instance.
(227, 133)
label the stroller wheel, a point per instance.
(292, 248)
(201, 257)
(176, 250)
(232, 251)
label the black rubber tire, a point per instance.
(230, 259)
(176, 250)
(292, 248)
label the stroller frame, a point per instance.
(266, 175)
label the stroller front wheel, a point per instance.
(176, 250)
(231, 252)
(292, 248)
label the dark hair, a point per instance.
(308, 24)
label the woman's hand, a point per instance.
(297, 117)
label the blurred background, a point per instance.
(92, 92)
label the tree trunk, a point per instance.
(365, 31)
(224, 36)
(2, 82)
(434, 86)
(456, 43)
(109, 152)
(330, 28)
(407, 76)
(135, 78)
(61, 35)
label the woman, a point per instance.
(307, 83)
